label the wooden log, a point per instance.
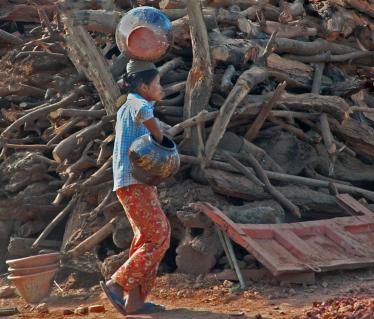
(24, 12)
(39, 113)
(360, 5)
(287, 178)
(328, 57)
(81, 47)
(105, 150)
(54, 223)
(334, 106)
(23, 90)
(309, 201)
(170, 65)
(76, 113)
(26, 211)
(94, 239)
(6, 229)
(101, 174)
(327, 135)
(34, 147)
(71, 177)
(228, 3)
(317, 46)
(175, 14)
(178, 100)
(10, 38)
(173, 4)
(97, 20)
(244, 84)
(87, 4)
(278, 196)
(73, 144)
(226, 82)
(357, 136)
(288, 31)
(227, 17)
(292, 129)
(83, 163)
(241, 168)
(21, 247)
(291, 12)
(232, 51)
(200, 79)
(264, 113)
(66, 127)
(174, 88)
(57, 57)
(243, 148)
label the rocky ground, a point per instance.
(339, 295)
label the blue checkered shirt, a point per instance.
(129, 126)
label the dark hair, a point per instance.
(133, 81)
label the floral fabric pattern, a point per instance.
(151, 237)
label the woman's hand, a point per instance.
(154, 128)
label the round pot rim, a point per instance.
(10, 277)
(35, 267)
(162, 146)
(9, 261)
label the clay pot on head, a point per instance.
(144, 33)
(152, 162)
(34, 288)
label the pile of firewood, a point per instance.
(271, 104)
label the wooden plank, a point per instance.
(352, 206)
(338, 243)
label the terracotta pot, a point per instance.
(144, 33)
(34, 288)
(32, 270)
(34, 261)
(152, 162)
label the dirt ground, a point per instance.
(338, 295)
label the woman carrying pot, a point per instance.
(151, 228)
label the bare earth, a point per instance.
(348, 295)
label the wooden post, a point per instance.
(86, 57)
(200, 78)
(264, 113)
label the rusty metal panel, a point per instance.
(323, 245)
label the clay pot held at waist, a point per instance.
(151, 162)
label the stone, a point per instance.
(249, 259)
(285, 284)
(324, 284)
(7, 292)
(227, 284)
(67, 312)
(81, 311)
(96, 309)
(223, 260)
(42, 308)
(292, 292)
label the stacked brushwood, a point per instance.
(271, 104)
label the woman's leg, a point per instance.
(151, 240)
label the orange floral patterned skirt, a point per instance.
(151, 237)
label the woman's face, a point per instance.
(152, 91)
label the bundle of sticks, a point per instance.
(270, 103)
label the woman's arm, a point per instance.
(154, 128)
